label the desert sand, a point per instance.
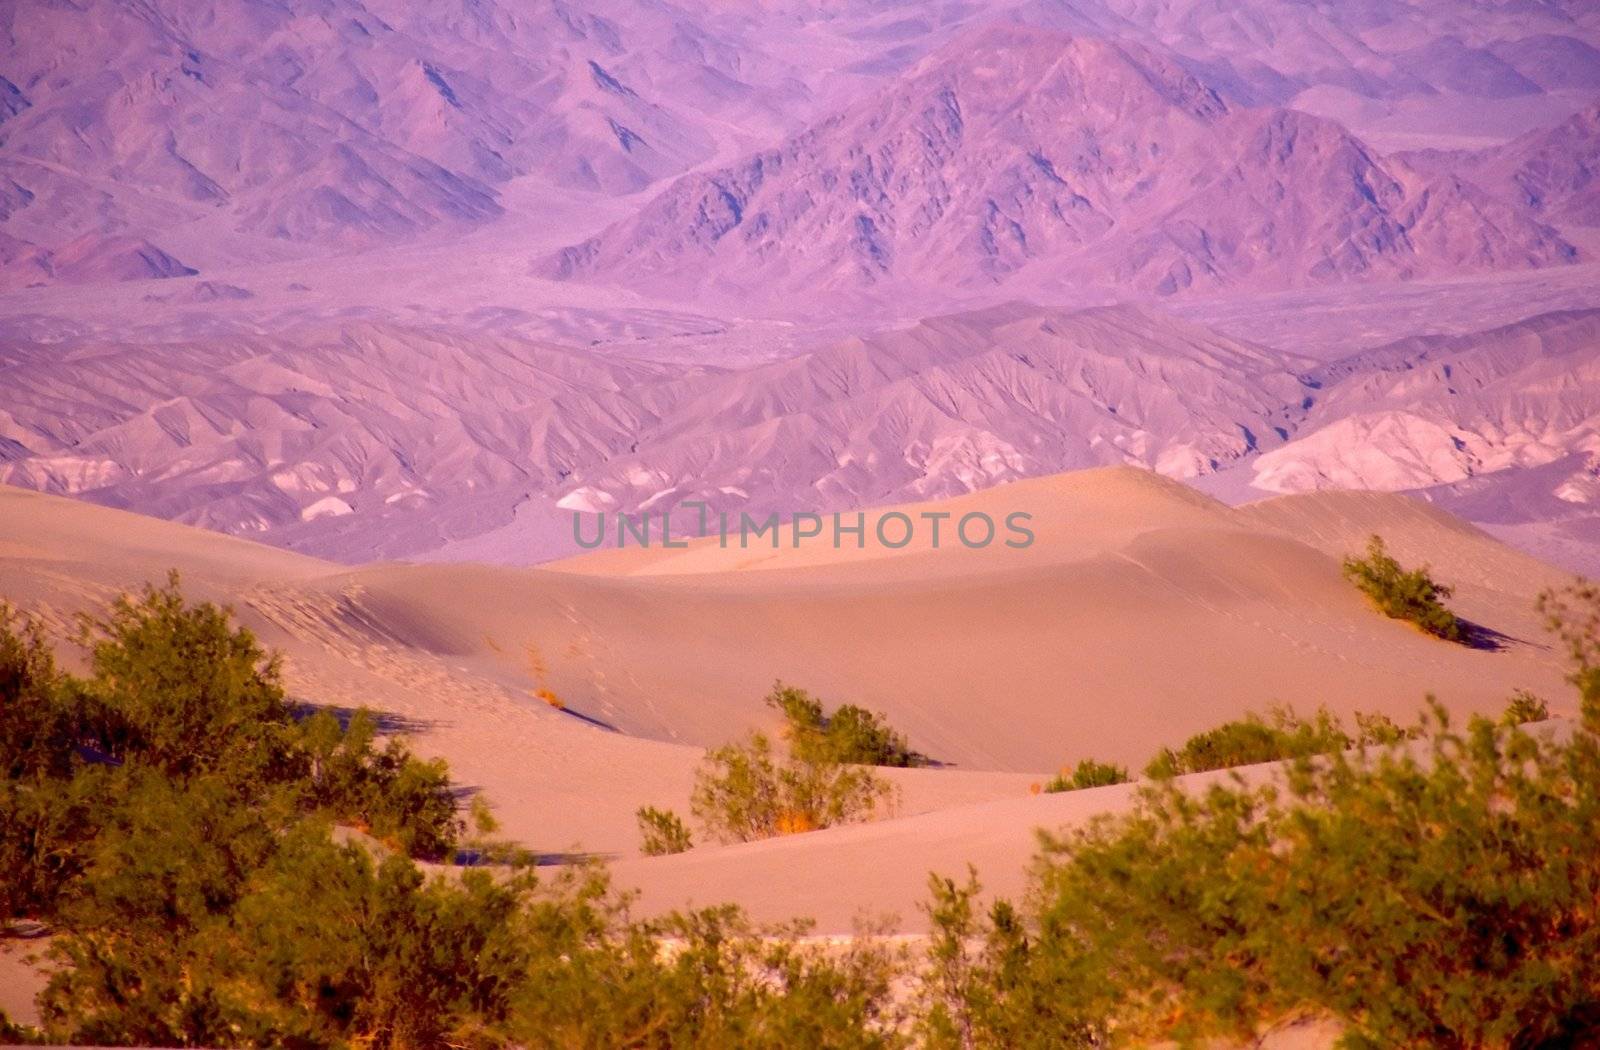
(1142, 612)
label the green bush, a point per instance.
(1524, 707)
(46, 827)
(1252, 740)
(1087, 774)
(1400, 594)
(744, 792)
(1572, 614)
(989, 980)
(177, 695)
(1434, 895)
(1416, 896)
(399, 798)
(198, 897)
(600, 979)
(1378, 729)
(850, 734)
(1281, 735)
(1446, 900)
(177, 687)
(662, 832)
(39, 730)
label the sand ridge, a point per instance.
(1142, 613)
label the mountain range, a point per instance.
(487, 445)
(296, 128)
(367, 322)
(1017, 148)
(365, 278)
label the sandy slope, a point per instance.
(1142, 612)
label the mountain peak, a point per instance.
(1014, 149)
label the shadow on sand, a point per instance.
(387, 721)
(1489, 640)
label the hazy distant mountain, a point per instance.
(248, 435)
(88, 259)
(1501, 427)
(1016, 148)
(384, 439)
(954, 404)
(1435, 410)
(853, 160)
(350, 123)
(329, 439)
(1553, 172)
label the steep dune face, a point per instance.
(1223, 601)
(1021, 147)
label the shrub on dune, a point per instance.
(1437, 895)
(1524, 707)
(198, 897)
(179, 707)
(746, 791)
(850, 734)
(1088, 773)
(1281, 735)
(1401, 594)
(662, 832)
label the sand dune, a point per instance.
(1142, 612)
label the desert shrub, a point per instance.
(1401, 594)
(184, 691)
(1572, 614)
(1379, 729)
(176, 695)
(200, 898)
(744, 792)
(1252, 739)
(171, 860)
(401, 799)
(1439, 895)
(46, 827)
(281, 937)
(1282, 734)
(13, 1033)
(1524, 707)
(1436, 895)
(176, 688)
(982, 981)
(709, 978)
(427, 961)
(39, 728)
(318, 944)
(662, 832)
(850, 734)
(1088, 773)
(46, 818)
